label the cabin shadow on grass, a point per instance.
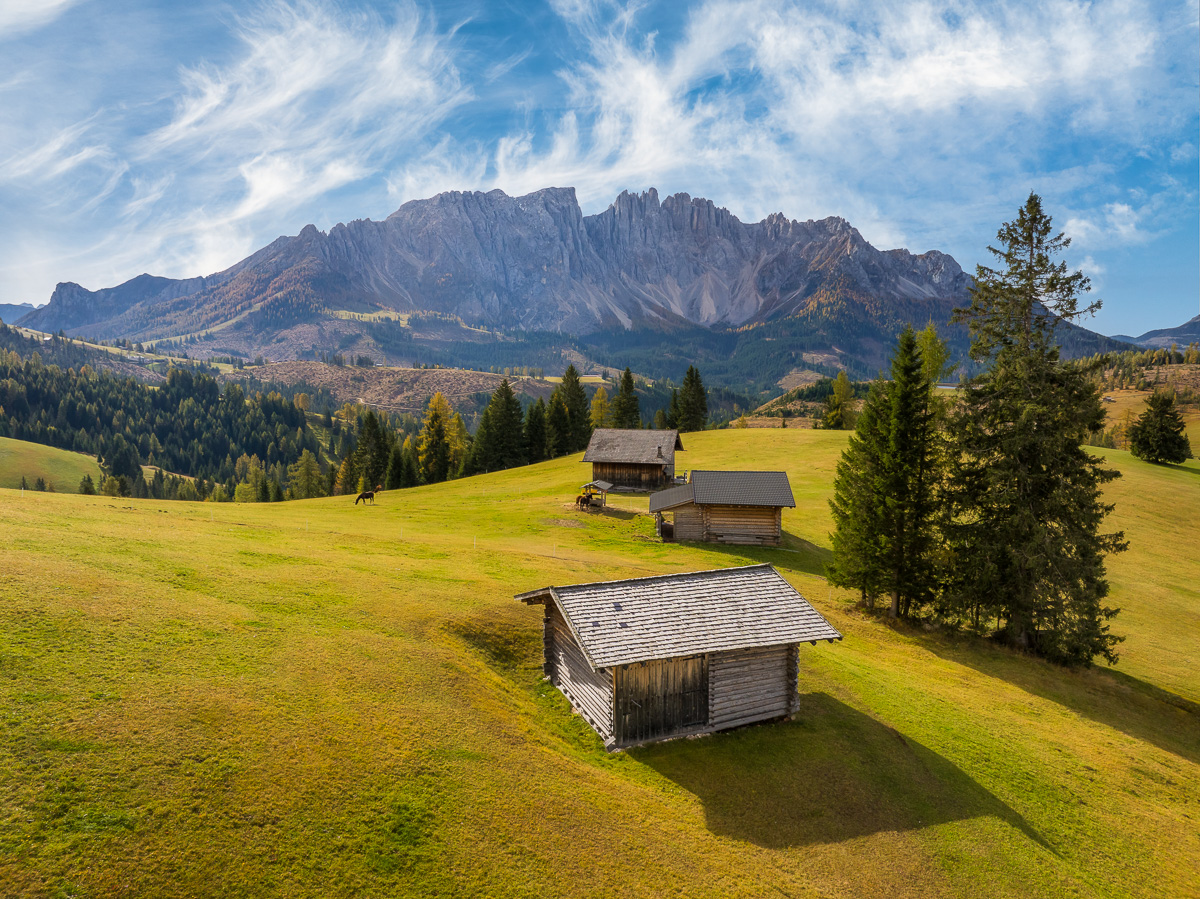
(1105, 695)
(829, 774)
(795, 554)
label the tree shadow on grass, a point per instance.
(796, 554)
(829, 774)
(1110, 697)
(1187, 469)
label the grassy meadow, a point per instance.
(62, 469)
(318, 699)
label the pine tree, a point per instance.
(693, 402)
(887, 538)
(535, 431)
(395, 468)
(87, 486)
(911, 539)
(1026, 538)
(435, 445)
(500, 438)
(673, 410)
(558, 427)
(1158, 435)
(626, 412)
(575, 400)
(858, 481)
(410, 474)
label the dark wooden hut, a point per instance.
(725, 507)
(649, 658)
(633, 459)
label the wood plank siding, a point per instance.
(590, 692)
(748, 685)
(660, 698)
(689, 523)
(743, 524)
(634, 476)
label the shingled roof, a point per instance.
(728, 488)
(674, 615)
(635, 447)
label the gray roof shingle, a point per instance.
(670, 498)
(633, 446)
(728, 488)
(742, 488)
(636, 620)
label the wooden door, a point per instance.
(660, 698)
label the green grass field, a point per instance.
(62, 469)
(318, 699)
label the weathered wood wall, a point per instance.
(660, 698)
(747, 685)
(590, 692)
(636, 477)
(743, 524)
(689, 523)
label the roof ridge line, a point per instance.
(655, 577)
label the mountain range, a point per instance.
(487, 279)
(1164, 338)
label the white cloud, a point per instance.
(20, 16)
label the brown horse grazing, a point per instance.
(582, 501)
(368, 495)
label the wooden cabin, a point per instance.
(633, 459)
(650, 658)
(725, 507)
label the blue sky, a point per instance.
(178, 138)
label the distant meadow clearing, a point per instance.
(317, 699)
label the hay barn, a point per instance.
(743, 507)
(633, 460)
(650, 658)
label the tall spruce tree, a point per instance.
(1026, 494)
(1158, 435)
(693, 402)
(435, 444)
(558, 427)
(626, 412)
(884, 506)
(500, 439)
(858, 481)
(535, 431)
(579, 413)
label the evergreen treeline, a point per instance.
(186, 425)
(991, 511)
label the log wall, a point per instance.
(590, 692)
(747, 685)
(761, 525)
(689, 523)
(635, 477)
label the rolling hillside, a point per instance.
(314, 699)
(62, 469)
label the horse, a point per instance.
(582, 501)
(365, 496)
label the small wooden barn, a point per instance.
(633, 459)
(650, 658)
(725, 507)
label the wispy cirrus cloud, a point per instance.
(20, 16)
(925, 123)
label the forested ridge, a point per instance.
(186, 426)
